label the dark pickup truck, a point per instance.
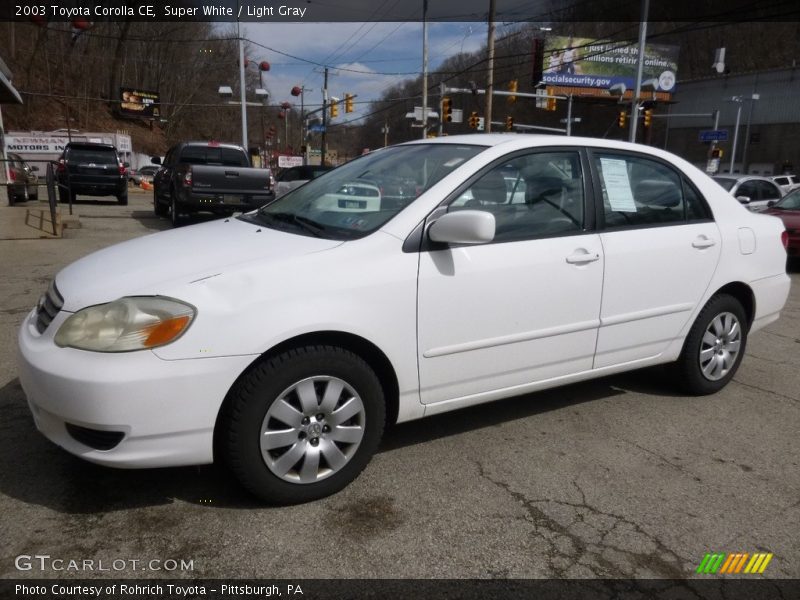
(209, 176)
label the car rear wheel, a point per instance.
(159, 209)
(123, 198)
(174, 215)
(303, 424)
(714, 347)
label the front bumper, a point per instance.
(165, 409)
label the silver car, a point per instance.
(753, 191)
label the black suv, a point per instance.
(92, 170)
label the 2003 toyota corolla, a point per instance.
(283, 340)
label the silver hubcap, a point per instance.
(312, 429)
(720, 346)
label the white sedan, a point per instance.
(283, 341)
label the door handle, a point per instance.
(231, 173)
(582, 257)
(703, 242)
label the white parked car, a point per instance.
(756, 193)
(787, 183)
(294, 177)
(282, 341)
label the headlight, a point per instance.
(135, 323)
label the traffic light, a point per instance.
(509, 123)
(512, 87)
(648, 117)
(447, 109)
(551, 104)
(473, 119)
(348, 103)
(334, 109)
(621, 118)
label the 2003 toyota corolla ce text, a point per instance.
(284, 339)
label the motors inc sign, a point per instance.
(35, 144)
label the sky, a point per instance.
(365, 58)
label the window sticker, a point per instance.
(618, 186)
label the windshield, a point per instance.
(790, 202)
(357, 198)
(725, 182)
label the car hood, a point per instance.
(146, 265)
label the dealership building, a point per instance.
(768, 140)
(40, 147)
(8, 95)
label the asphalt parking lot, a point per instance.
(618, 477)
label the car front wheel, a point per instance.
(714, 347)
(303, 424)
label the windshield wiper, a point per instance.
(303, 222)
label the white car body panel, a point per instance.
(455, 331)
(520, 328)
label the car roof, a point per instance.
(742, 177)
(211, 144)
(88, 145)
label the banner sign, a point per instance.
(35, 144)
(285, 162)
(139, 103)
(583, 62)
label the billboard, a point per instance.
(139, 103)
(583, 62)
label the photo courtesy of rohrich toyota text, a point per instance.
(347, 300)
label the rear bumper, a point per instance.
(215, 202)
(99, 188)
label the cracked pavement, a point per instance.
(619, 477)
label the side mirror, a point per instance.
(126, 164)
(34, 168)
(771, 203)
(156, 160)
(743, 199)
(463, 227)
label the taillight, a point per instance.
(62, 166)
(122, 170)
(187, 177)
(12, 177)
(785, 239)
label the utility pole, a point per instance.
(242, 88)
(490, 63)
(738, 100)
(324, 148)
(639, 69)
(441, 116)
(424, 68)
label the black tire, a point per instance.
(159, 209)
(63, 195)
(174, 213)
(122, 199)
(244, 422)
(702, 367)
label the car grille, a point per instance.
(48, 306)
(95, 438)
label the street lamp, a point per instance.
(226, 91)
